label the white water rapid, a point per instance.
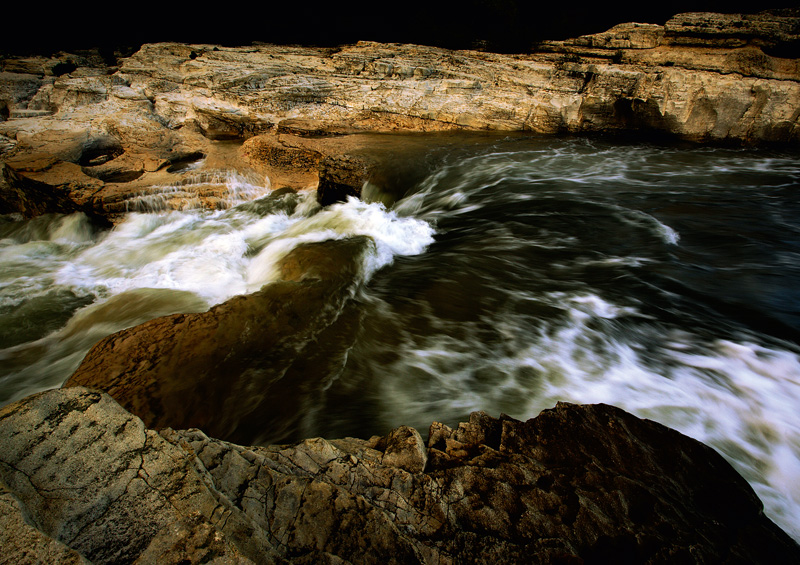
(662, 280)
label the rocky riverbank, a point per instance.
(84, 480)
(82, 135)
(87, 477)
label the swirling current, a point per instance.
(508, 275)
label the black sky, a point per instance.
(505, 25)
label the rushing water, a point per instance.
(663, 280)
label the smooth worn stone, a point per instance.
(576, 484)
(235, 370)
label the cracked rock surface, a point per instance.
(84, 480)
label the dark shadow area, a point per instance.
(493, 25)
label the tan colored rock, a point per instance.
(575, 484)
(339, 164)
(284, 165)
(91, 477)
(40, 184)
(24, 544)
(701, 77)
(623, 36)
(767, 29)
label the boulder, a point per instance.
(86, 480)
(235, 370)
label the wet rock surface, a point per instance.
(701, 77)
(247, 369)
(577, 484)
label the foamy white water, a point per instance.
(162, 262)
(659, 280)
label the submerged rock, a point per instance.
(577, 484)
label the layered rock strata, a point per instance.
(85, 481)
(82, 136)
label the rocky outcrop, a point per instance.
(84, 480)
(113, 133)
(249, 369)
(774, 31)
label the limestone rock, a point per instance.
(701, 77)
(576, 484)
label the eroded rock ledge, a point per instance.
(84, 480)
(78, 135)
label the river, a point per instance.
(509, 275)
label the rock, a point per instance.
(765, 30)
(41, 184)
(330, 192)
(235, 370)
(91, 477)
(22, 542)
(701, 77)
(340, 165)
(405, 450)
(285, 165)
(18, 87)
(336, 166)
(623, 36)
(578, 483)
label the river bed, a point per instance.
(507, 276)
